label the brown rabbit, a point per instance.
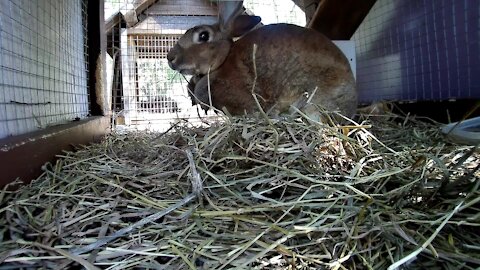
(292, 66)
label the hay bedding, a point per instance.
(266, 195)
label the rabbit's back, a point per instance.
(289, 61)
(285, 43)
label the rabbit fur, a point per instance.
(291, 66)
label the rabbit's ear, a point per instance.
(243, 24)
(228, 11)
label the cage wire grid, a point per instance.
(145, 91)
(419, 50)
(43, 64)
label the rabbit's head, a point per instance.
(204, 48)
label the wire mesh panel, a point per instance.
(153, 92)
(43, 64)
(419, 50)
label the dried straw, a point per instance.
(253, 193)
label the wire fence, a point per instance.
(43, 64)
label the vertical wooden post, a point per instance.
(127, 52)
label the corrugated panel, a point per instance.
(43, 73)
(419, 50)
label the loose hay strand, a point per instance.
(427, 243)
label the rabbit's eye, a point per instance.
(203, 36)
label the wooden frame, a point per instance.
(22, 157)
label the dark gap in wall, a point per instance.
(94, 17)
(440, 111)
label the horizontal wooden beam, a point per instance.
(339, 20)
(21, 157)
(175, 9)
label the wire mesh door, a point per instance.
(153, 93)
(158, 86)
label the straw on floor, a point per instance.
(266, 194)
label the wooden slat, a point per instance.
(310, 6)
(339, 20)
(23, 156)
(165, 7)
(199, 10)
(112, 22)
(143, 5)
(131, 16)
(170, 24)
